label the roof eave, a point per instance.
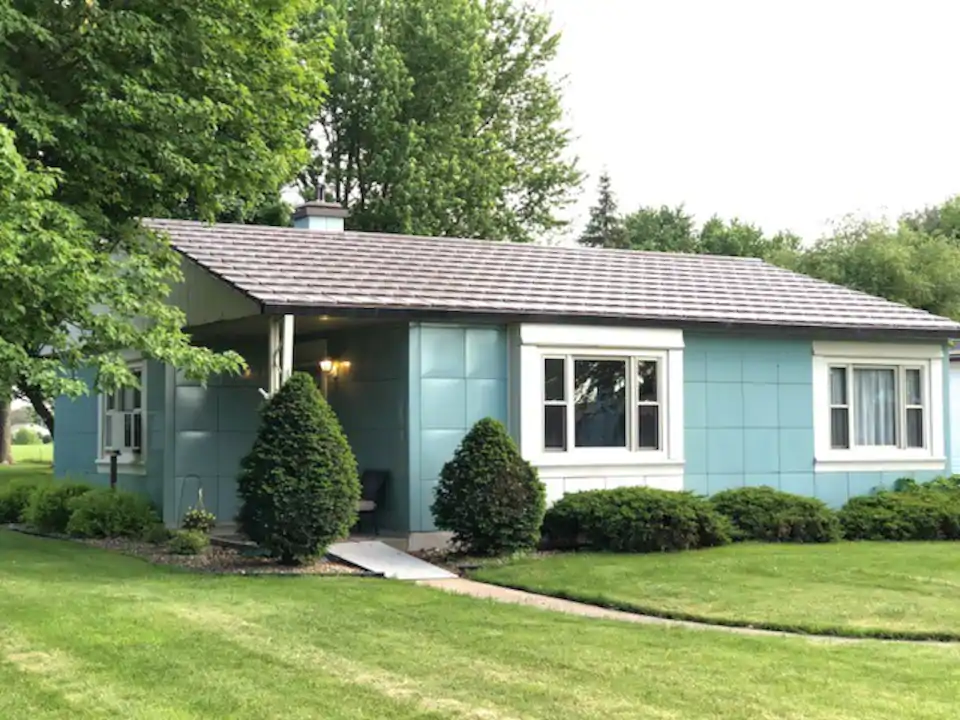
(468, 315)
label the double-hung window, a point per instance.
(602, 402)
(122, 420)
(878, 407)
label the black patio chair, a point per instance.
(372, 485)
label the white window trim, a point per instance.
(542, 341)
(129, 463)
(878, 459)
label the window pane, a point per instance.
(838, 386)
(108, 431)
(600, 396)
(647, 381)
(553, 379)
(915, 428)
(839, 428)
(138, 431)
(648, 427)
(555, 427)
(875, 406)
(127, 431)
(914, 396)
(110, 401)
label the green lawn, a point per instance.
(909, 589)
(90, 634)
(33, 453)
(25, 471)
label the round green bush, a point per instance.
(188, 542)
(104, 513)
(768, 515)
(920, 514)
(26, 436)
(50, 506)
(14, 499)
(634, 519)
(488, 496)
(298, 486)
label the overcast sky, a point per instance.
(787, 114)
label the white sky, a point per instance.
(785, 114)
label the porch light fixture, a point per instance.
(333, 368)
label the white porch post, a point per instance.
(286, 361)
(280, 350)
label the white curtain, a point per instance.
(875, 406)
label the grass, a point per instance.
(33, 453)
(905, 590)
(25, 471)
(91, 634)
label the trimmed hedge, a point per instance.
(634, 519)
(923, 513)
(769, 515)
(488, 495)
(50, 507)
(103, 513)
(299, 485)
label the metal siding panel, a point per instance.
(760, 405)
(443, 403)
(725, 405)
(724, 451)
(761, 451)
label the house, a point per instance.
(954, 410)
(610, 368)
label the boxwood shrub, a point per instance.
(49, 508)
(637, 519)
(921, 514)
(769, 515)
(104, 513)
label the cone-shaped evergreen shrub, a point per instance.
(488, 495)
(298, 485)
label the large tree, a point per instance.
(605, 226)
(444, 117)
(121, 110)
(900, 263)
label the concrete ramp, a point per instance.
(379, 557)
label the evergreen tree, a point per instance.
(605, 228)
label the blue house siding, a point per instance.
(457, 376)
(748, 414)
(371, 401)
(214, 426)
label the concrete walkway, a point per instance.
(462, 586)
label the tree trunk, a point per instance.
(36, 398)
(6, 439)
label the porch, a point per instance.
(405, 394)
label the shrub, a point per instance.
(635, 519)
(929, 514)
(157, 534)
(188, 542)
(50, 506)
(762, 513)
(105, 513)
(199, 518)
(25, 436)
(14, 499)
(298, 485)
(488, 495)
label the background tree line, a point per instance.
(915, 261)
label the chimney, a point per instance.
(320, 215)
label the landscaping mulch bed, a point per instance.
(216, 559)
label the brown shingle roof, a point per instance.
(295, 268)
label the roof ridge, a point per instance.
(439, 239)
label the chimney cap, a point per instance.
(320, 208)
